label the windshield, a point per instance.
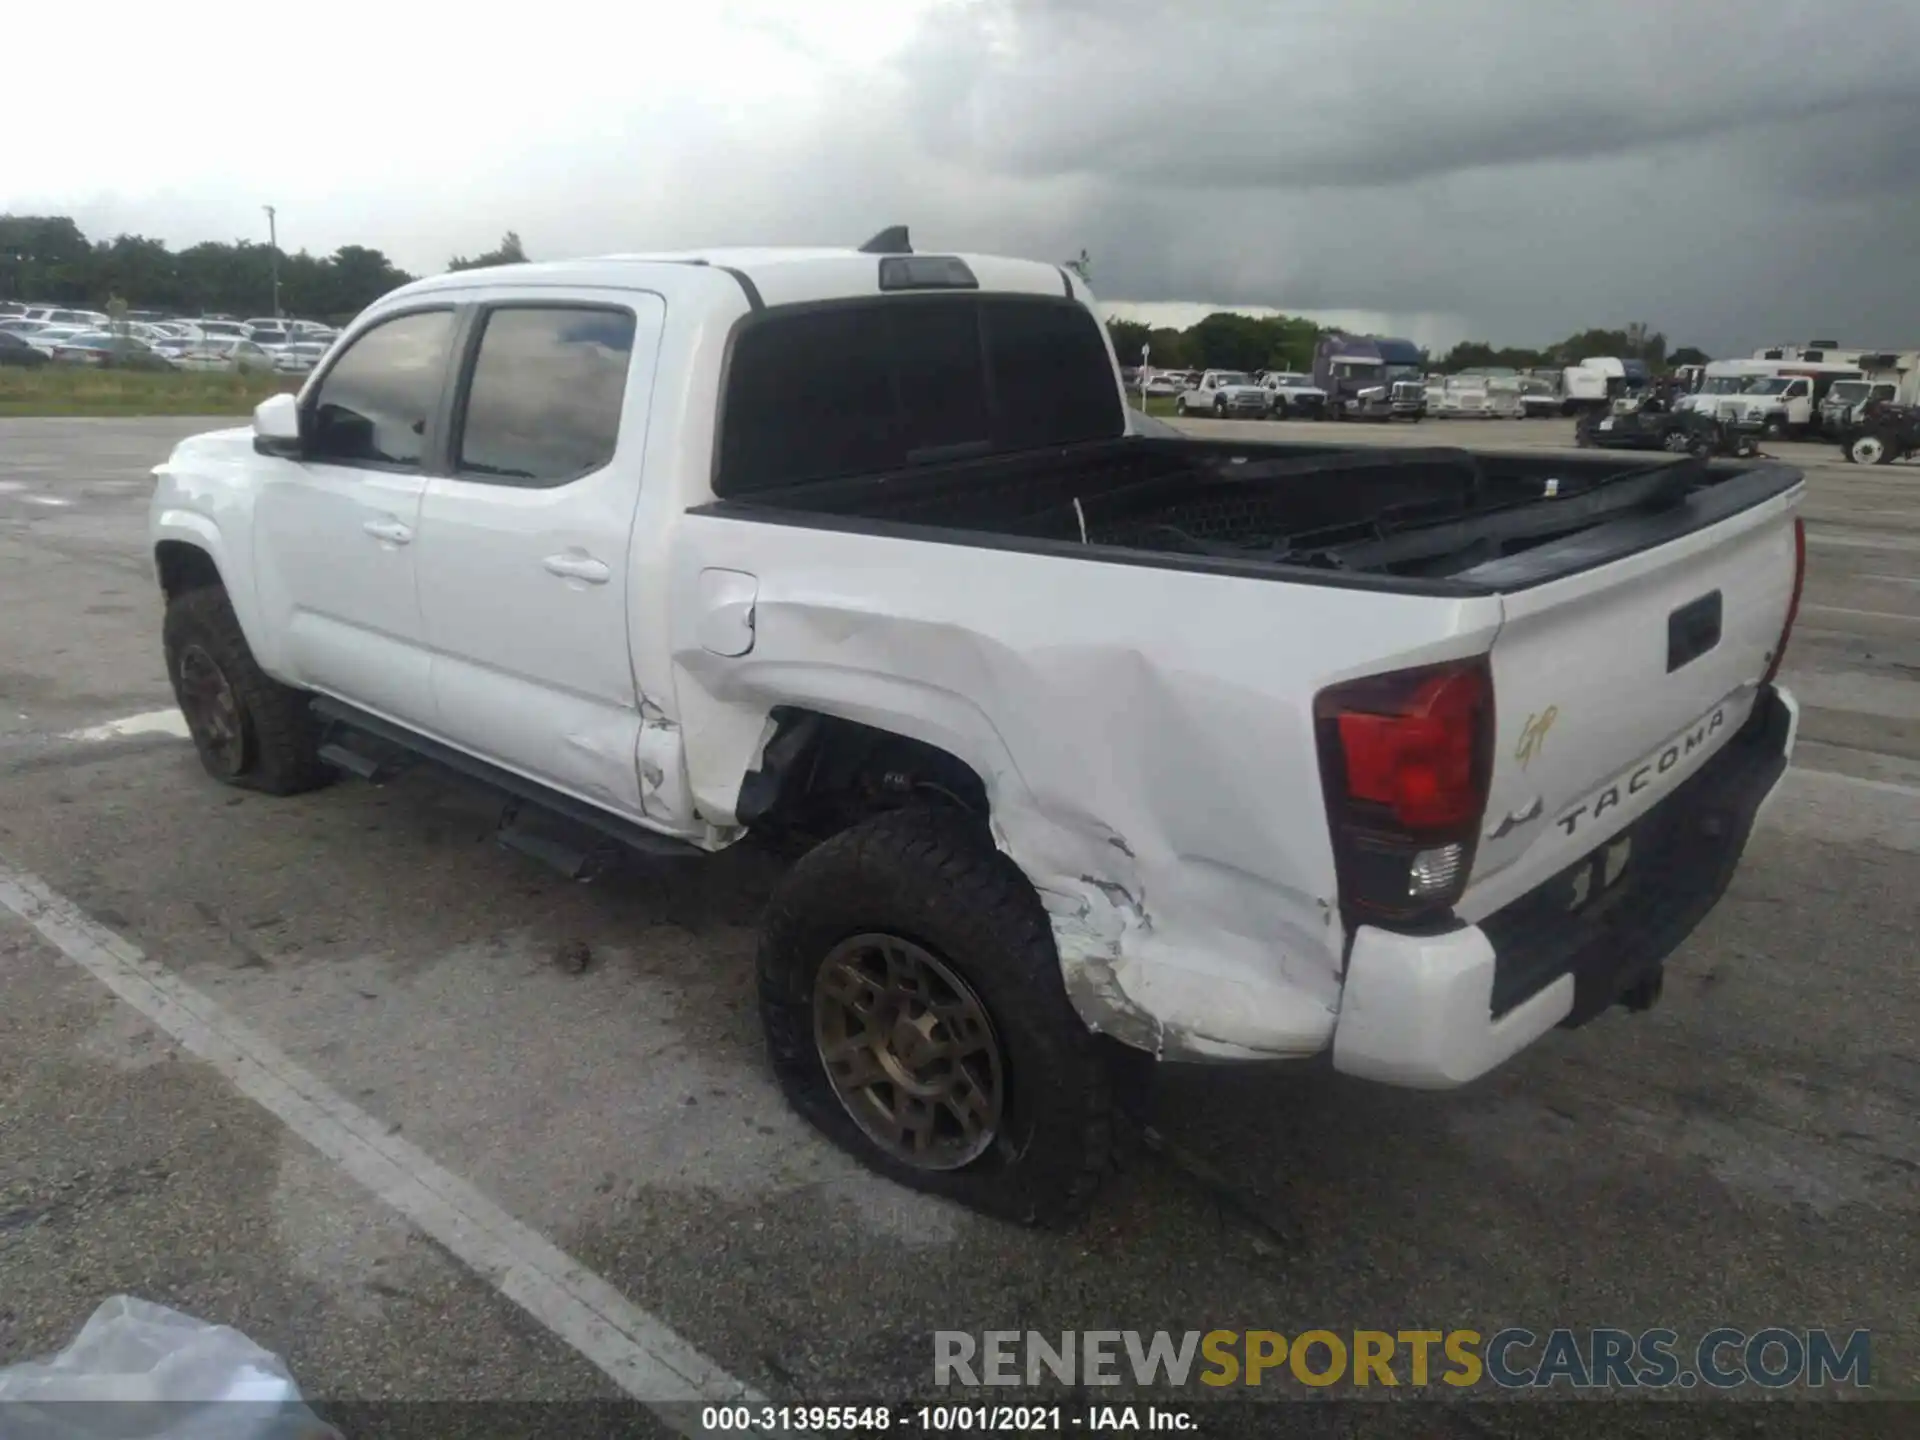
(1403, 372)
(1848, 391)
(1772, 385)
(1724, 385)
(1231, 377)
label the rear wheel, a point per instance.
(1220, 409)
(1677, 441)
(249, 729)
(1180, 405)
(915, 1014)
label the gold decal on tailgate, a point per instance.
(1534, 734)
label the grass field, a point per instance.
(74, 390)
(1161, 405)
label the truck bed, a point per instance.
(1440, 518)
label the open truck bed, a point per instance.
(1440, 519)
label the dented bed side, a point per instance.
(1145, 738)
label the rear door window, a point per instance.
(866, 386)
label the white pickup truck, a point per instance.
(1092, 745)
(1224, 394)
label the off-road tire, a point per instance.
(280, 736)
(935, 878)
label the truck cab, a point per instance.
(1224, 394)
(1371, 377)
(1787, 403)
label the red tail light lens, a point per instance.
(1406, 759)
(1420, 760)
(1793, 601)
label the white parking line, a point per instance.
(148, 722)
(640, 1353)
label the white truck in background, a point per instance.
(1721, 379)
(1225, 395)
(1886, 378)
(1095, 747)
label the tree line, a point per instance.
(1226, 341)
(48, 258)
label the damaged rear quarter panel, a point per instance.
(1145, 736)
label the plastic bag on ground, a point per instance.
(139, 1371)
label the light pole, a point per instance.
(273, 257)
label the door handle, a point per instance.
(389, 530)
(572, 565)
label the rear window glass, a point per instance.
(878, 385)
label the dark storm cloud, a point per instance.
(1534, 167)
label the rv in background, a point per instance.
(1370, 377)
(1818, 352)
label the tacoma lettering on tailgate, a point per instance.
(1650, 772)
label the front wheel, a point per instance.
(249, 729)
(1180, 406)
(916, 1016)
(1869, 450)
(1219, 409)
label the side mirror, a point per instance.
(276, 426)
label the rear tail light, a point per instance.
(1405, 760)
(1793, 601)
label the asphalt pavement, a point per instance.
(1746, 1153)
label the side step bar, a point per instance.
(577, 839)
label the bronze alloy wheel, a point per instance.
(909, 1051)
(212, 711)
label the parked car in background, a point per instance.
(45, 339)
(61, 315)
(300, 357)
(16, 353)
(1292, 396)
(1650, 423)
(230, 329)
(1224, 393)
(1166, 382)
(220, 352)
(104, 350)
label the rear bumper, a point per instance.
(1435, 1011)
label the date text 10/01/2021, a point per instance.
(939, 1419)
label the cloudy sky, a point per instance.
(1734, 172)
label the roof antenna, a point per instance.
(890, 241)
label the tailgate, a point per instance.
(1614, 684)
